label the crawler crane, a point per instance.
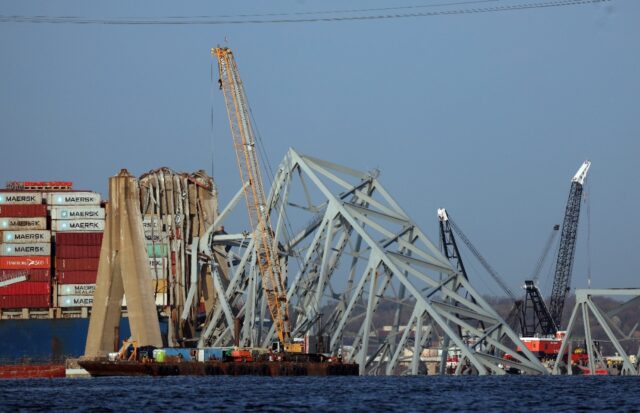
(244, 143)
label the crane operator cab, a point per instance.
(296, 346)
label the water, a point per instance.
(324, 394)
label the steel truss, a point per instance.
(586, 307)
(353, 255)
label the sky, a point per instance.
(487, 114)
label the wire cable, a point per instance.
(587, 197)
(211, 121)
(212, 20)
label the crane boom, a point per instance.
(449, 244)
(248, 163)
(566, 252)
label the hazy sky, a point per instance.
(486, 114)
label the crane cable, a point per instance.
(211, 121)
(587, 201)
(492, 272)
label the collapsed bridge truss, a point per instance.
(351, 254)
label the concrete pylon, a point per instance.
(123, 269)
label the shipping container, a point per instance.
(19, 263)
(25, 301)
(151, 223)
(11, 250)
(77, 225)
(76, 277)
(26, 288)
(157, 250)
(77, 251)
(73, 198)
(20, 198)
(14, 277)
(158, 268)
(153, 229)
(156, 236)
(181, 353)
(76, 289)
(39, 185)
(33, 274)
(77, 212)
(161, 300)
(79, 238)
(213, 353)
(20, 224)
(23, 211)
(159, 286)
(155, 286)
(19, 237)
(67, 301)
(77, 264)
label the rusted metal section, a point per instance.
(219, 368)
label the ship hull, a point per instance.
(32, 371)
(46, 340)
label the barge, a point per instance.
(100, 368)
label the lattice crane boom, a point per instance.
(566, 252)
(249, 166)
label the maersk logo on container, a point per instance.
(20, 198)
(74, 198)
(26, 236)
(77, 212)
(79, 225)
(76, 289)
(22, 223)
(76, 301)
(26, 249)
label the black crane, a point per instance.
(564, 263)
(537, 316)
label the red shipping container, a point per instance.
(25, 301)
(77, 277)
(26, 288)
(77, 264)
(32, 274)
(77, 251)
(79, 238)
(22, 211)
(22, 263)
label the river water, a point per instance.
(324, 394)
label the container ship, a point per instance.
(50, 238)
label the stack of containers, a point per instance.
(157, 250)
(25, 251)
(157, 241)
(77, 220)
